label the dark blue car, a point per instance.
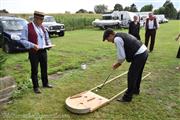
(10, 32)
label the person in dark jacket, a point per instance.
(131, 49)
(134, 28)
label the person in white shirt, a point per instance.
(34, 37)
(151, 26)
(131, 50)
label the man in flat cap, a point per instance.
(131, 49)
(151, 26)
(35, 38)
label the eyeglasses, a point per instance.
(40, 18)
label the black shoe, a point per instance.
(136, 92)
(37, 91)
(123, 100)
(48, 86)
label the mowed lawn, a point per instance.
(160, 92)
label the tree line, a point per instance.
(167, 9)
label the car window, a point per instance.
(14, 24)
(49, 19)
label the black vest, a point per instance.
(147, 24)
(131, 45)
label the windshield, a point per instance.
(107, 17)
(14, 24)
(49, 19)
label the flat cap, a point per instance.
(39, 14)
(107, 32)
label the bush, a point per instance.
(2, 60)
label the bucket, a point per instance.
(7, 86)
(83, 66)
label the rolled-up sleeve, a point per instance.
(119, 43)
(24, 38)
(48, 40)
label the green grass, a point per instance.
(160, 92)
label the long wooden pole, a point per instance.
(109, 80)
(126, 89)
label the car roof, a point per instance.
(10, 18)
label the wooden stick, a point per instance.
(110, 80)
(126, 89)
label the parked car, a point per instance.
(10, 32)
(107, 21)
(52, 26)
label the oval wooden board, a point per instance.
(85, 102)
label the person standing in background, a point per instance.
(151, 26)
(133, 51)
(134, 28)
(34, 37)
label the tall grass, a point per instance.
(71, 21)
(76, 21)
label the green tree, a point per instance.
(170, 11)
(161, 10)
(146, 8)
(82, 11)
(127, 8)
(2, 60)
(100, 9)
(118, 7)
(178, 15)
(133, 8)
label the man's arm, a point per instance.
(119, 43)
(24, 39)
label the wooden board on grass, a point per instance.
(85, 102)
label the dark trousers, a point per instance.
(152, 34)
(178, 53)
(35, 58)
(135, 73)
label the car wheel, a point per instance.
(61, 33)
(6, 48)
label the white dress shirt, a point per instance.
(151, 24)
(121, 56)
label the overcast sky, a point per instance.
(60, 6)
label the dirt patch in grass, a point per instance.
(55, 76)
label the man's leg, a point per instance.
(142, 63)
(147, 35)
(43, 65)
(178, 53)
(33, 57)
(153, 35)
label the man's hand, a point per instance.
(36, 47)
(116, 65)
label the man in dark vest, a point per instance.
(151, 26)
(34, 37)
(131, 49)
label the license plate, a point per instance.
(58, 31)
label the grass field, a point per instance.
(160, 92)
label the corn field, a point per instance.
(72, 21)
(76, 21)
